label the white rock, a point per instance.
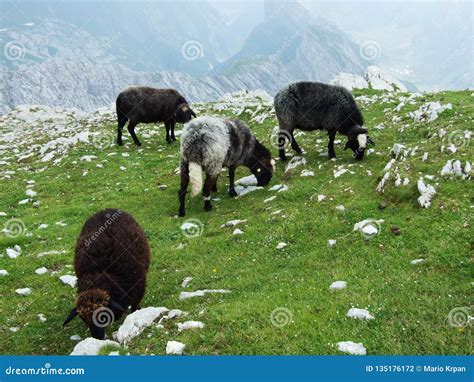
(87, 158)
(429, 111)
(186, 282)
(241, 190)
(271, 198)
(12, 253)
(352, 348)
(250, 180)
(295, 162)
(41, 254)
(3, 272)
(361, 314)
(331, 242)
(281, 245)
(175, 347)
(43, 226)
(427, 192)
(189, 226)
(112, 353)
(380, 79)
(68, 280)
(307, 173)
(350, 81)
(237, 232)
(200, 293)
(321, 198)
(23, 291)
(75, 337)
(91, 346)
(41, 317)
(3, 214)
(368, 226)
(233, 223)
(336, 285)
(136, 322)
(276, 187)
(416, 261)
(13, 329)
(190, 325)
(174, 313)
(41, 271)
(340, 208)
(30, 193)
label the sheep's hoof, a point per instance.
(120, 143)
(138, 144)
(181, 213)
(207, 206)
(233, 193)
(283, 158)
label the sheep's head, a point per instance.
(263, 166)
(358, 141)
(184, 113)
(97, 310)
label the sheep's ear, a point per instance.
(193, 113)
(369, 140)
(346, 146)
(71, 316)
(356, 130)
(114, 304)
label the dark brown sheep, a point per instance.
(140, 104)
(111, 262)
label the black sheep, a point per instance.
(111, 262)
(312, 106)
(140, 104)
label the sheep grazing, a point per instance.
(111, 262)
(312, 106)
(210, 143)
(141, 104)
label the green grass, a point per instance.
(411, 303)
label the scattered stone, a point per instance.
(337, 285)
(41, 271)
(23, 291)
(186, 282)
(281, 245)
(136, 322)
(361, 314)
(201, 293)
(352, 348)
(416, 261)
(41, 317)
(3, 272)
(68, 280)
(175, 348)
(331, 242)
(91, 346)
(190, 325)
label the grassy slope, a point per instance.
(410, 303)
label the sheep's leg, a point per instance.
(232, 191)
(281, 144)
(214, 186)
(121, 124)
(208, 183)
(172, 131)
(167, 126)
(184, 187)
(131, 130)
(331, 151)
(294, 144)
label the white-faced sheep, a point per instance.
(140, 104)
(312, 106)
(210, 143)
(111, 262)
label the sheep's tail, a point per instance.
(195, 175)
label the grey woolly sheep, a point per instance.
(312, 106)
(142, 104)
(111, 262)
(210, 143)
